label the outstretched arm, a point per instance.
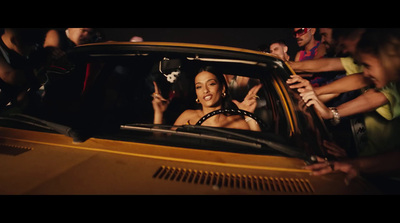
(330, 90)
(344, 84)
(296, 81)
(386, 163)
(317, 65)
(370, 100)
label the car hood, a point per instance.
(48, 163)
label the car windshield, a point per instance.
(110, 95)
(123, 88)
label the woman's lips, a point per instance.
(207, 97)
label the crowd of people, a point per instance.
(352, 75)
(27, 52)
(349, 75)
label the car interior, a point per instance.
(118, 87)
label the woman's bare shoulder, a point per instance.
(191, 112)
(189, 115)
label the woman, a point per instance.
(212, 94)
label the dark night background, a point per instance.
(248, 38)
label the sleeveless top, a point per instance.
(308, 55)
(316, 79)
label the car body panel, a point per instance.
(53, 164)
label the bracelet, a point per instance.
(336, 117)
(248, 119)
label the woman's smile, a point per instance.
(207, 97)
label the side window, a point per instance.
(278, 107)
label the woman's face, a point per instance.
(373, 70)
(208, 89)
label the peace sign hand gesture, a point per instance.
(160, 104)
(250, 101)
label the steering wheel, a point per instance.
(233, 112)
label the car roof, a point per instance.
(226, 51)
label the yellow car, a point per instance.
(93, 133)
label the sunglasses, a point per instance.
(301, 32)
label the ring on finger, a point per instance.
(331, 165)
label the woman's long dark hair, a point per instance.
(227, 100)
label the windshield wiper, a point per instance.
(242, 139)
(76, 136)
(167, 129)
(285, 149)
